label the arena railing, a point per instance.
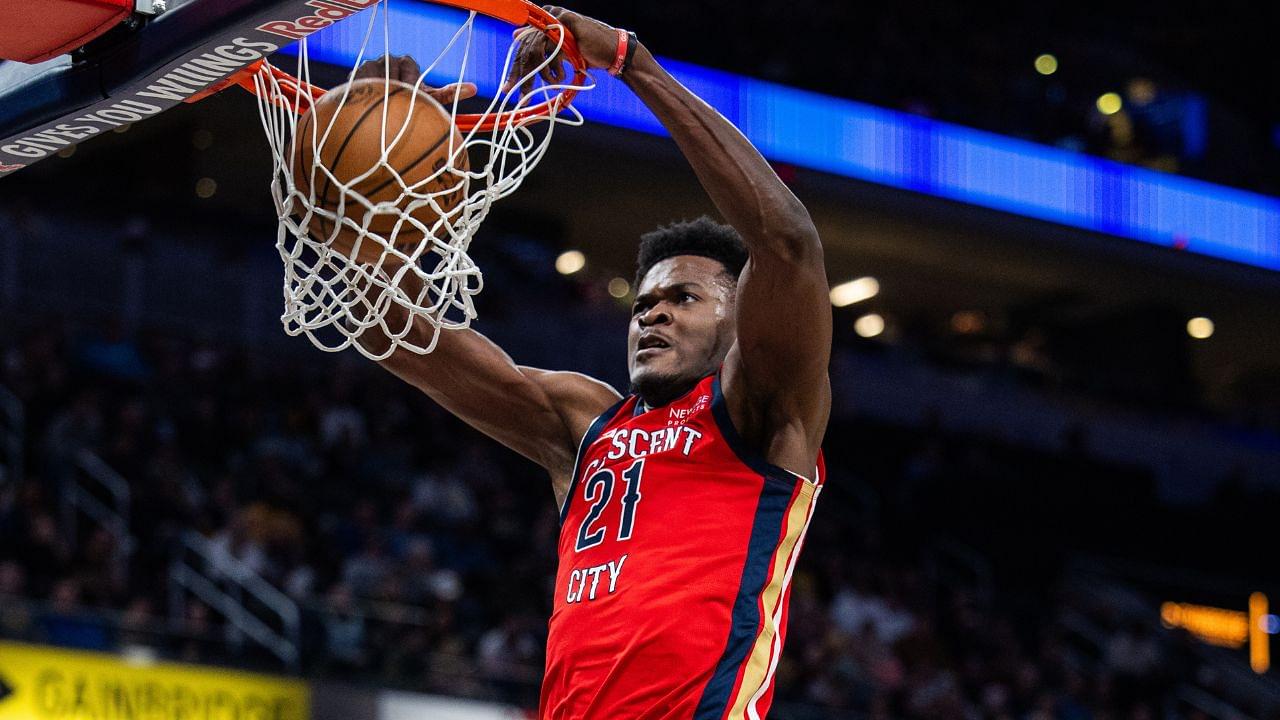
(228, 588)
(80, 497)
(1208, 704)
(141, 636)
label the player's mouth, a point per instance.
(651, 344)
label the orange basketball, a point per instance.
(354, 147)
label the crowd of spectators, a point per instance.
(422, 554)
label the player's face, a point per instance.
(682, 326)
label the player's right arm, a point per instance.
(540, 414)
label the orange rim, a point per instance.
(516, 12)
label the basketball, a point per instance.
(417, 137)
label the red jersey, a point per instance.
(677, 546)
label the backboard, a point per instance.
(139, 67)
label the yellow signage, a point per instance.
(38, 683)
(1226, 628)
(1259, 643)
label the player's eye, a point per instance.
(687, 297)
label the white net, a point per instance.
(392, 270)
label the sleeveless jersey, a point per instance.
(677, 547)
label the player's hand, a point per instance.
(597, 41)
(403, 68)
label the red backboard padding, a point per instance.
(32, 31)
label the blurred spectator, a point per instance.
(344, 630)
(235, 550)
(64, 625)
(1133, 652)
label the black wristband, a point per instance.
(632, 44)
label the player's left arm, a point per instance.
(775, 378)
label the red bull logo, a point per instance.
(327, 13)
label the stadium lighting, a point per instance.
(1259, 643)
(968, 322)
(619, 287)
(570, 262)
(1200, 328)
(1110, 103)
(1046, 64)
(854, 291)
(1225, 627)
(869, 326)
(206, 188)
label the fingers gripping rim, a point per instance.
(517, 12)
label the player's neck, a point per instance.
(656, 397)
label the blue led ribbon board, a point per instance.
(890, 148)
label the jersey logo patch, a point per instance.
(680, 416)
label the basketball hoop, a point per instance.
(374, 264)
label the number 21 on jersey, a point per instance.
(598, 490)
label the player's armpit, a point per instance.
(579, 399)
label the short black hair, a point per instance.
(704, 237)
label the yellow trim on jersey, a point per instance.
(758, 665)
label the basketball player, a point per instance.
(684, 505)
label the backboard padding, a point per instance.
(172, 58)
(32, 31)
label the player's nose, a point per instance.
(656, 315)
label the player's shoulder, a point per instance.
(578, 398)
(573, 385)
